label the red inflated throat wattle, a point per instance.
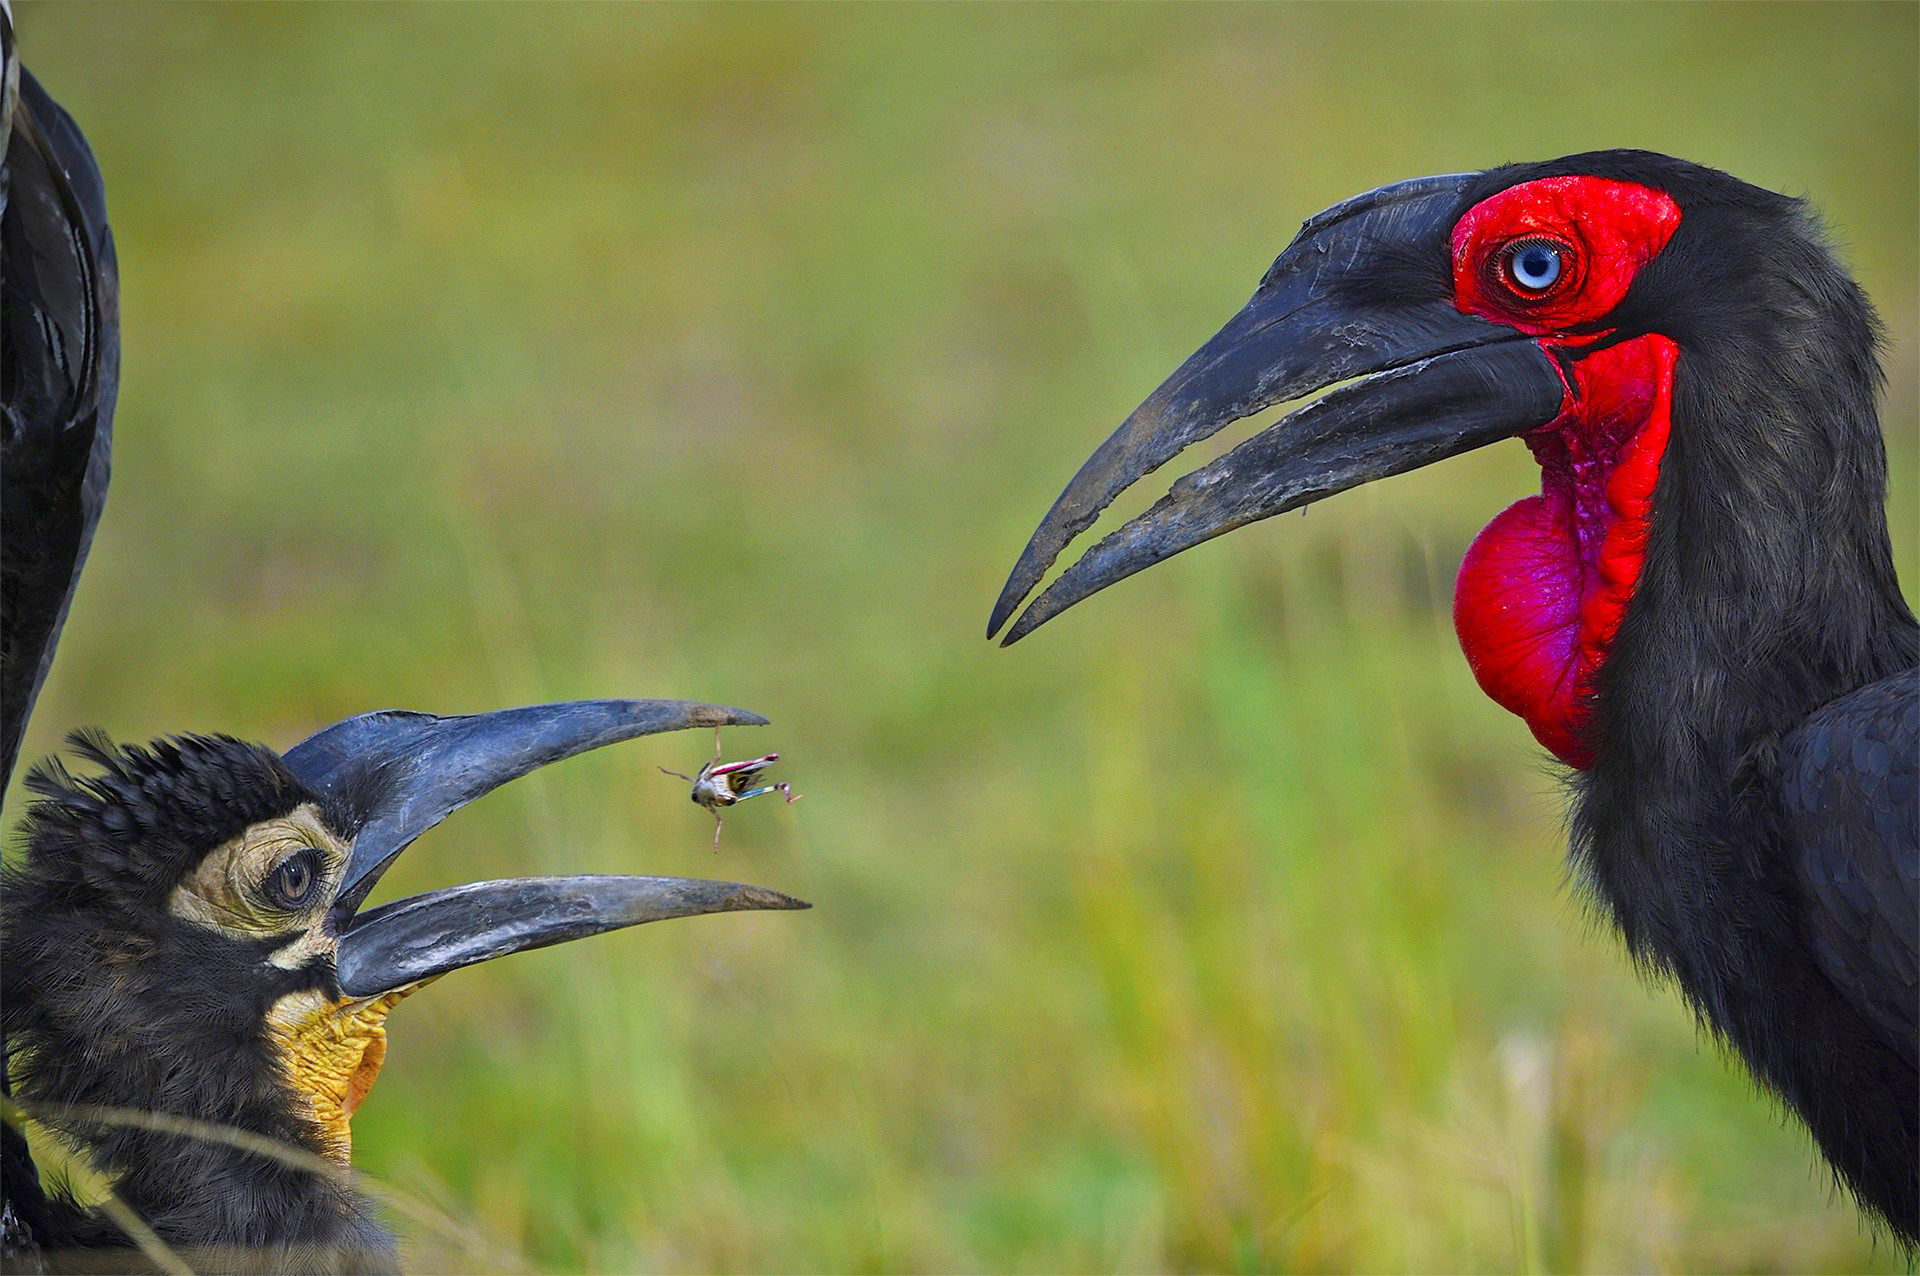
(1544, 587)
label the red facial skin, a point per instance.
(1544, 586)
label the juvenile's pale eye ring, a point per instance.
(1533, 266)
(293, 880)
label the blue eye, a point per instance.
(1533, 265)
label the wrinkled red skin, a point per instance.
(1543, 588)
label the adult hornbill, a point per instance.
(1698, 613)
(192, 995)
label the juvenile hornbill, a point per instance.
(1698, 614)
(191, 993)
(185, 938)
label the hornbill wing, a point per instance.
(59, 374)
(1849, 776)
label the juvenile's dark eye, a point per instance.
(293, 880)
(1533, 265)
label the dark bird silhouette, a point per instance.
(193, 996)
(1698, 613)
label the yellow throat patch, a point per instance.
(331, 1053)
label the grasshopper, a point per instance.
(722, 784)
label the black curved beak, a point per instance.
(1364, 290)
(393, 775)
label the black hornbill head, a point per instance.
(184, 936)
(1588, 305)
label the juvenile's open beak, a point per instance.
(1365, 291)
(398, 774)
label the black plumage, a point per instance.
(1850, 783)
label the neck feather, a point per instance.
(176, 1098)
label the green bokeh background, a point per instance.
(484, 355)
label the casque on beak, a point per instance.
(1363, 291)
(399, 774)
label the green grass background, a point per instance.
(484, 355)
